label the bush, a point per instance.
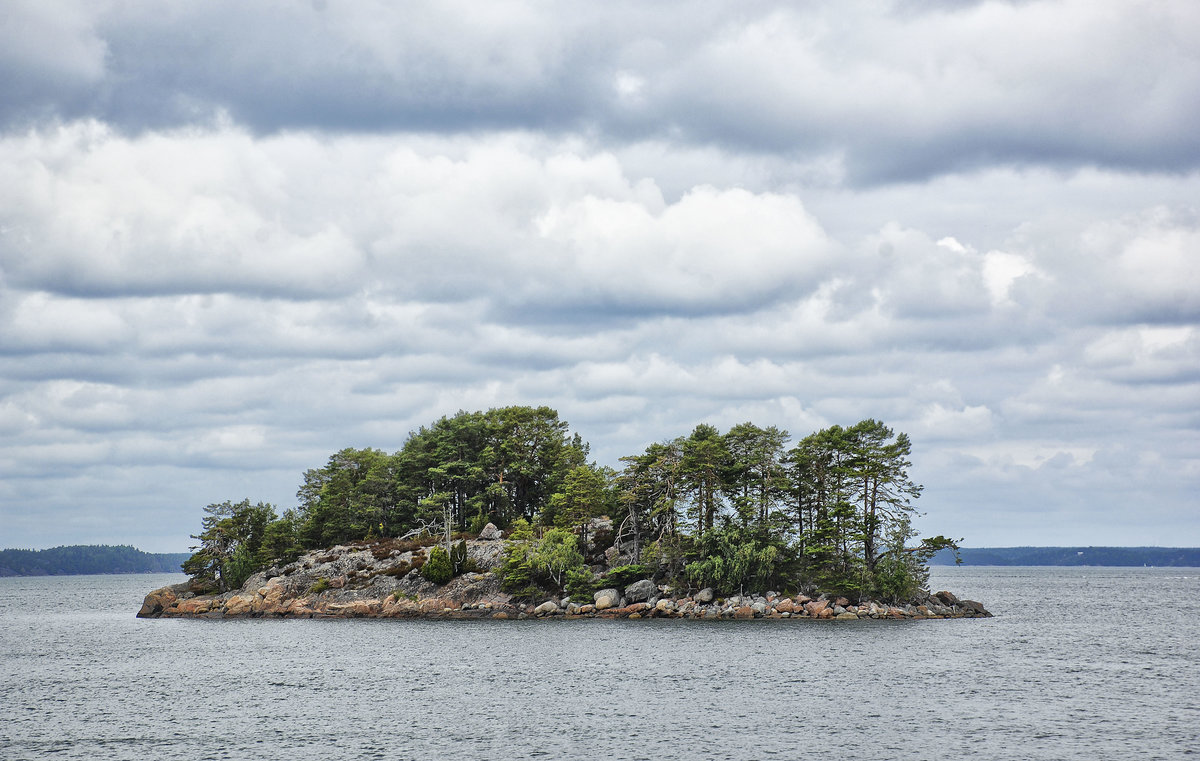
(319, 586)
(624, 575)
(581, 584)
(460, 560)
(477, 523)
(438, 568)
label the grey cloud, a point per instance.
(895, 95)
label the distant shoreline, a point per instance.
(88, 559)
(1110, 557)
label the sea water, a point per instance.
(1078, 663)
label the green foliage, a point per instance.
(230, 543)
(555, 555)
(533, 567)
(737, 510)
(319, 586)
(239, 567)
(460, 560)
(733, 559)
(581, 583)
(521, 531)
(623, 575)
(478, 523)
(438, 567)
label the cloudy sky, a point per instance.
(237, 237)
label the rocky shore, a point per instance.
(382, 580)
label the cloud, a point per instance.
(236, 238)
(889, 91)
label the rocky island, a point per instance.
(382, 579)
(711, 525)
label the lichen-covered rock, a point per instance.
(705, 596)
(606, 598)
(639, 591)
(490, 533)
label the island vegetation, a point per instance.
(740, 511)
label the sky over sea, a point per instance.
(238, 237)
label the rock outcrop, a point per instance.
(382, 580)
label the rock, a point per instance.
(847, 616)
(546, 608)
(745, 611)
(586, 610)
(490, 533)
(157, 601)
(607, 598)
(759, 608)
(947, 598)
(841, 602)
(640, 590)
(975, 608)
(838, 609)
(239, 605)
(815, 608)
(195, 606)
(664, 605)
(785, 606)
(705, 596)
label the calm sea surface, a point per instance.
(1079, 663)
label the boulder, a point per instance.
(239, 605)
(759, 608)
(847, 616)
(975, 608)
(607, 598)
(157, 601)
(490, 533)
(785, 605)
(705, 596)
(947, 598)
(815, 608)
(546, 608)
(744, 611)
(664, 605)
(640, 590)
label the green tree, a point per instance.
(556, 555)
(584, 495)
(704, 459)
(231, 537)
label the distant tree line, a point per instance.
(1164, 557)
(745, 509)
(87, 559)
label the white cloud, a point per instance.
(228, 253)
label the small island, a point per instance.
(500, 514)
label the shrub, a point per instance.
(438, 568)
(477, 523)
(460, 560)
(581, 584)
(319, 586)
(624, 575)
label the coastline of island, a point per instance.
(383, 579)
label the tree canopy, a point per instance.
(740, 510)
